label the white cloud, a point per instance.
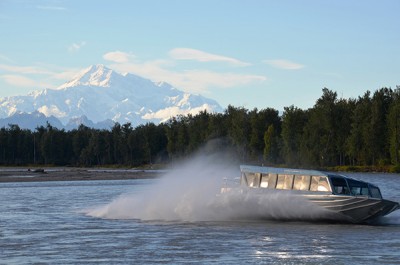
(18, 80)
(201, 56)
(36, 77)
(55, 8)
(166, 114)
(65, 74)
(284, 64)
(202, 80)
(24, 69)
(75, 47)
(52, 111)
(194, 81)
(118, 57)
(5, 58)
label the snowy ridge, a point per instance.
(99, 95)
(95, 75)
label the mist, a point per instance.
(190, 191)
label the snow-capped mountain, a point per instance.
(100, 95)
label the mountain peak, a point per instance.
(94, 75)
(100, 94)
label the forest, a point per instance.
(362, 132)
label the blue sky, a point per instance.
(254, 53)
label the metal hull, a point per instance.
(355, 209)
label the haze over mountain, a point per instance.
(98, 97)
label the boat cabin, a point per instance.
(306, 181)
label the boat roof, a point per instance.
(276, 170)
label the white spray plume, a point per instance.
(191, 192)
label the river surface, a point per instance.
(148, 222)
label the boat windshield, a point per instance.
(340, 185)
(375, 192)
(347, 186)
(358, 187)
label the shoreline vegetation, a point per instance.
(366, 169)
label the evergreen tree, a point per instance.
(239, 129)
(293, 122)
(318, 144)
(380, 104)
(394, 128)
(271, 145)
(358, 142)
(259, 124)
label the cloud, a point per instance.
(194, 81)
(284, 64)
(55, 8)
(35, 70)
(118, 57)
(202, 80)
(65, 74)
(5, 58)
(23, 81)
(201, 56)
(166, 114)
(18, 80)
(24, 69)
(36, 77)
(75, 47)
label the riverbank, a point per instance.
(73, 174)
(366, 169)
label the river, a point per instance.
(152, 222)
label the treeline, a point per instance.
(334, 132)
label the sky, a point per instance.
(246, 53)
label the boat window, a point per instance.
(340, 185)
(358, 187)
(243, 180)
(319, 183)
(375, 192)
(285, 182)
(268, 181)
(253, 179)
(301, 182)
(264, 181)
(288, 182)
(280, 182)
(272, 179)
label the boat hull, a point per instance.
(343, 198)
(355, 209)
